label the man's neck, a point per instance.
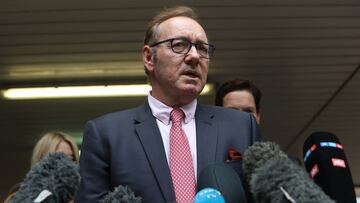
(173, 102)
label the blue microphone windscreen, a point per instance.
(209, 195)
(223, 178)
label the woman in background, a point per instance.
(50, 142)
(55, 142)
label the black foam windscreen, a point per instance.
(121, 194)
(274, 178)
(54, 179)
(325, 160)
(223, 178)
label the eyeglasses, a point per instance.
(183, 45)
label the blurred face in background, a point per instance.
(242, 100)
(65, 148)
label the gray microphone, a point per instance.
(121, 194)
(54, 179)
(274, 178)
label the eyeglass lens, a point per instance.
(183, 46)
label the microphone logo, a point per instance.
(314, 170)
(338, 162)
(42, 196)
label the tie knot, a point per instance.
(176, 115)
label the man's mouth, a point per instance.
(192, 74)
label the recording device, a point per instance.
(54, 179)
(274, 177)
(121, 194)
(209, 195)
(223, 178)
(325, 160)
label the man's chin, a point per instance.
(192, 90)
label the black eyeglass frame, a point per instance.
(211, 49)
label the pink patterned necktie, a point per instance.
(181, 165)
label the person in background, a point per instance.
(159, 148)
(243, 95)
(55, 141)
(240, 94)
(50, 142)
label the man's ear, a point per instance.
(148, 58)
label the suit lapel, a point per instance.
(149, 135)
(206, 137)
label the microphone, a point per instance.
(54, 179)
(121, 194)
(209, 195)
(274, 177)
(326, 163)
(223, 178)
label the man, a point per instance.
(243, 95)
(240, 94)
(151, 149)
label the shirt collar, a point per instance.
(162, 111)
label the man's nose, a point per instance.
(192, 56)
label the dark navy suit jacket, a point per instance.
(126, 148)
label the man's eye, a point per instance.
(202, 47)
(179, 44)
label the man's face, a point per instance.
(177, 79)
(241, 100)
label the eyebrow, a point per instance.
(201, 41)
(187, 38)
